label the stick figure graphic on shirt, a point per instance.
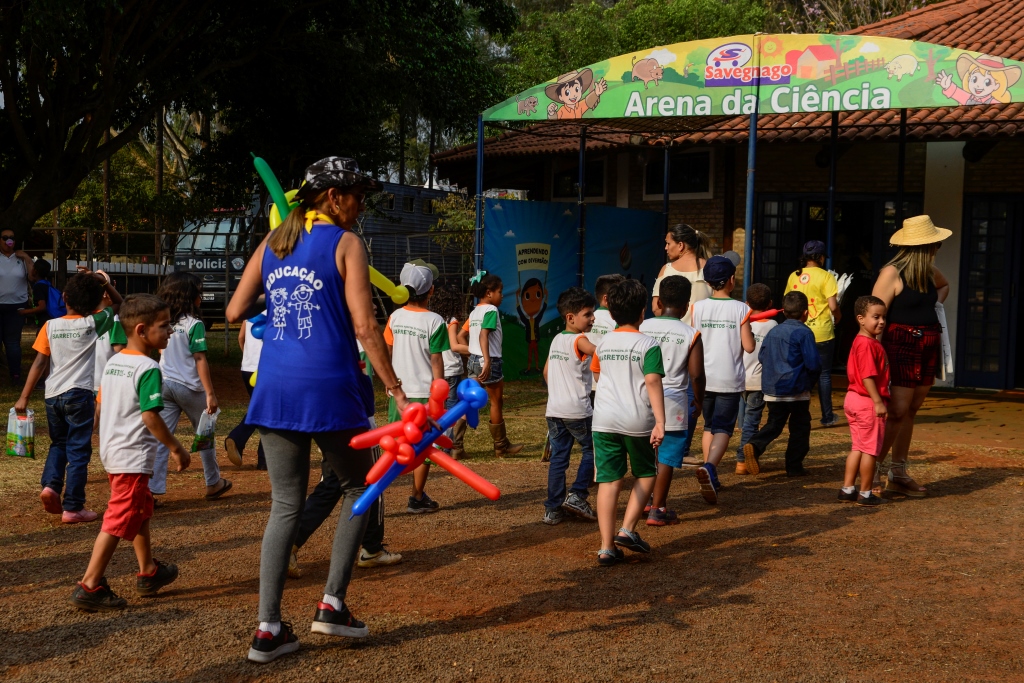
(302, 303)
(279, 298)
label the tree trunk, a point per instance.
(158, 165)
(106, 201)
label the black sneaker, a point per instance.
(99, 599)
(266, 647)
(630, 540)
(579, 507)
(553, 517)
(850, 497)
(425, 504)
(871, 501)
(332, 622)
(164, 574)
(802, 472)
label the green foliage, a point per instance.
(834, 16)
(456, 222)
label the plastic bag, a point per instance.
(204, 440)
(21, 434)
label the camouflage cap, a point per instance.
(339, 172)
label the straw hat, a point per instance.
(988, 63)
(585, 77)
(918, 230)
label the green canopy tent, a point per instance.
(656, 94)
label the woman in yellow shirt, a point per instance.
(821, 290)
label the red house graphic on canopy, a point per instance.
(813, 62)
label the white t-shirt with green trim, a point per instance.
(70, 342)
(569, 378)
(485, 317)
(719, 321)
(131, 384)
(676, 340)
(414, 334)
(751, 365)
(105, 349)
(622, 405)
(177, 362)
(603, 324)
(452, 359)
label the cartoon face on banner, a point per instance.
(532, 261)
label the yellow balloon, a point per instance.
(398, 293)
(275, 215)
(252, 380)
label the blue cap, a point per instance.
(718, 269)
(814, 247)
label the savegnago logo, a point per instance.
(727, 65)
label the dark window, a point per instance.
(389, 202)
(567, 176)
(408, 203)
(428, 206)
(688, 173)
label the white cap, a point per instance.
(418, 279)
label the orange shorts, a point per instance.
(131, 504)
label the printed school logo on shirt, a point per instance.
(414, 334)
(569, 379)
(301, 299)
(484, 317)
(676, 340)
(624, 358)
(70, 342)
(603, 324)
(131, 385)
(719, 321)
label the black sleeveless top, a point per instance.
(911, 307)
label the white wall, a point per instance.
(944, 202)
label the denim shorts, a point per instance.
(720, 411)
(475, 365)
(673, 448)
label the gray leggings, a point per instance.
(288, 466)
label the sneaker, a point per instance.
(77, 516)
(869, 502)
(751, 459)
(293, 564)
(609, 558)
(741, 468)
(99, 599)
(707, 488)
(691, 461)
(553, 517)
(51, 501)
(579, 507)
(381, 558)
(831, 423)
(650, 504)
(630, 540)
(163, 575)
(662, 517)
(424, 504)
(234, 455)
(332, 622)
(845, 497)
(266, 647)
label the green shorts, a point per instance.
(612, 450)
(393, 414)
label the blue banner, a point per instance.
(626, 241)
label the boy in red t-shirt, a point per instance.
(868, 372)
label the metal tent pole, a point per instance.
(748, 223)
(664, 184)
(478, 253)
(581, 200)
(833, 138)
(900, 169)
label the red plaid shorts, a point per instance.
(914, 353)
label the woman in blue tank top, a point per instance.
(314, 277)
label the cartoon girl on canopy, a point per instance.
(570, 91)
(986, 80)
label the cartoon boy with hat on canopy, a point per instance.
(570, 91)
(986, 80)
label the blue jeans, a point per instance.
(70, 417)
(751, 410)
(562, 434)
(825, 352)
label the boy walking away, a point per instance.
(682, 353)
(629, 419)
(724, 325)
(866, 401)
(131, 397)
(603, 322)
(759, 298)
(791, 366)
(569, 412)
(416, 339)
(68, 346)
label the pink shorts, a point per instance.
(867, 430)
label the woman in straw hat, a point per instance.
(910, 285)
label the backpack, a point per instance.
(55, 306)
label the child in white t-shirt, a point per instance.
(629, 419)
(603, 322)
(725, 326)
(759, 298)
(416, 338)
(569, 412)
(482, 333)
(187, 382)
(130, 429)
(450, 304)
(107, 344)
(235, 442)
(682, 353)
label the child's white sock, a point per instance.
(273, 627)
(332, 601)
(865, 494)
(849, 489)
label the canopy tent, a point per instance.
(693, 86)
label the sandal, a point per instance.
(221, 491)
(904, 484)
(608, 558)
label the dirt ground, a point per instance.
(776, 583)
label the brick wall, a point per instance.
(1000, 170)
